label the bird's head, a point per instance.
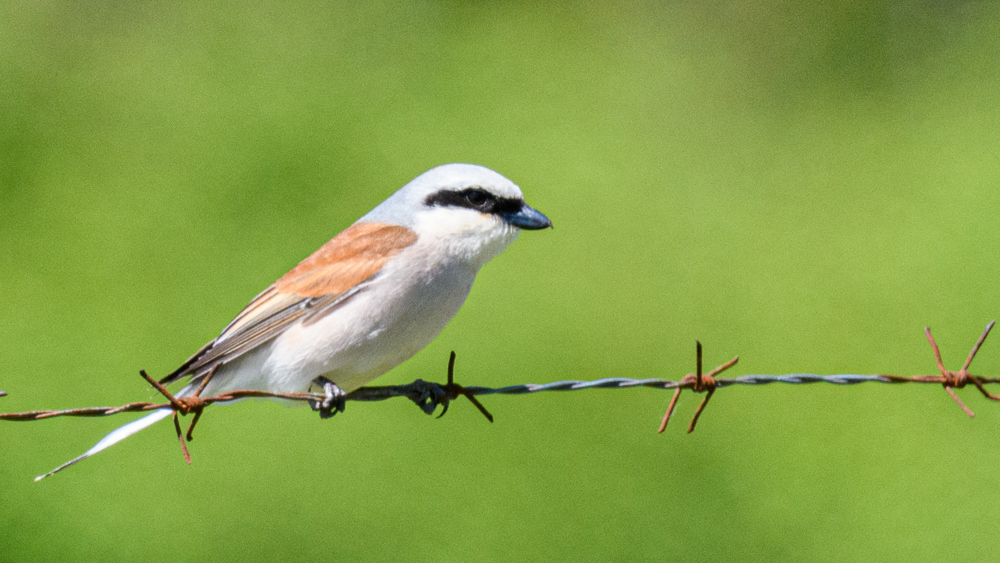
(471, 211)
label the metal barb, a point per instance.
(952, 380)
(196, 404)
(451, 381)
(177, 405)
(180, 438)
(452, 391)
(699, 383)
(197, 416)
(182, 407)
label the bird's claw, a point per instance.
(429, 395)
(334, 400)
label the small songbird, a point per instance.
(369, 299)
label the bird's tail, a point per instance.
(114, 437)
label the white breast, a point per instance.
(391, 319)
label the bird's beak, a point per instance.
(527, 218)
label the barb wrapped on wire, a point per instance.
(428, 396)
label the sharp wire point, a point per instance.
(177, 405)
(451, 368)
(954, 396)
(977, 345)
(180, 438)
(670, 410)
(197, 417)
(937, 351)
(479, 405)
(701, 407)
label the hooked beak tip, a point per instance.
(528, 219)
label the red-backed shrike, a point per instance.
(369, 299)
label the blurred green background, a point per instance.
(806, 186)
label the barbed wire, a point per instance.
(428, 396)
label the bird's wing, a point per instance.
(327, 278)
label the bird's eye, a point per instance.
(477, 198)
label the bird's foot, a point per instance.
(429, 395)
(334, 398)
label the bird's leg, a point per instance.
(334, 400)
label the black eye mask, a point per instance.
(475, 198)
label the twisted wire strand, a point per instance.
(382, 393)
(415, 390)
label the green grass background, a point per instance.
(804, 185)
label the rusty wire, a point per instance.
(429, 395)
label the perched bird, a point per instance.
(369, 299)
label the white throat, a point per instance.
(464, 235)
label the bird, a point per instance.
(364, 302)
